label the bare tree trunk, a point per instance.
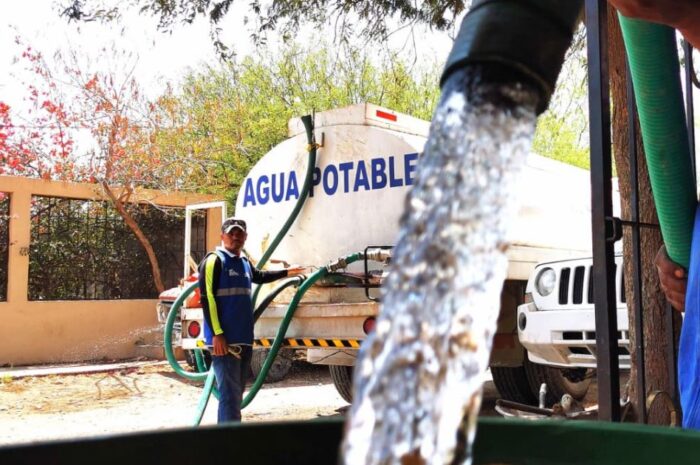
(133, 225)
(656, 362)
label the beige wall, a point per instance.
(67, 331)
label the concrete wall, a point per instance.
(65, 331)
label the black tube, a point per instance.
(527, 39)
(274, 293)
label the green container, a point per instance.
(498, 441)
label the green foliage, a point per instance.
(562, 130)
(555, 139)
(376, 17)
(225, 118)
(83, 249)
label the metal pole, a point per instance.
(188, 242)
(636, 252)
(689, 114)
(601, 213)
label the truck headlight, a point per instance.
(545, 281)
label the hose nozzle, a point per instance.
(379, 254)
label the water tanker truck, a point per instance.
(366, 162)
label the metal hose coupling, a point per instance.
(379, 254)
(339, 264)
(524, 40)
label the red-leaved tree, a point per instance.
(91, 122)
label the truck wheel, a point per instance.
(342, 380)
(280, 367)
(560, 381)
(192, 361)
(512, 384)
(189, 358)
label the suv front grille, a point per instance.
(564, 286)
(579, 273)
(572, 291)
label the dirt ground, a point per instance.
(70, 402)
(144, 396)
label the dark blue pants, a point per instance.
(231, 374)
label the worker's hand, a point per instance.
(683, 15)
(220, 345)
(295, 270)
(673, 279)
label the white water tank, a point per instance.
(363, 171)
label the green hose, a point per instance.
(284, 325)
(653, 61)
(204, 397)
(209, 387)
(279, 338)
(199, 361)
(308, 179)
(168, 338)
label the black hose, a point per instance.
(295, 281)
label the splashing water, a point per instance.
(418, 377)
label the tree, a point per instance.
(219, 120)
(562, 128)
(282, 16)
(656, 363)
(43, 147)
(68, 97)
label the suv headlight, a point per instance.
(545, 281)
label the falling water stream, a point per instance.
(419, 376)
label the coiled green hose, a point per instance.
(653, 60)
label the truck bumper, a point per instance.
(566, 338)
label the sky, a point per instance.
(162, 57)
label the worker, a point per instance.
(225, 278)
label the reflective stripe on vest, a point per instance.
(233, 291)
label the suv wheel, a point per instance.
(560, 381)
(512, 384)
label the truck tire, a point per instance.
(512, 384)
(342, 380)
(192, 362)
(560, 381)
(280, 367)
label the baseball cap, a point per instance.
(231, 223)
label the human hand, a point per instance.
(220, 345)
(673, 279)
(295, 270)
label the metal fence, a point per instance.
(4, 243)
(83, 250)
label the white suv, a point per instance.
(557, 324)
